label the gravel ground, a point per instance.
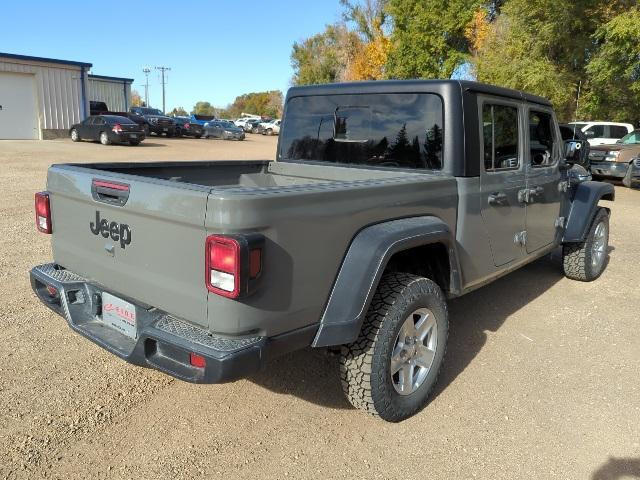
(540, 379)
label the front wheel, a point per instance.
(74, 136)
(628, 181)
(104, 138)
(585, 261)
(390, 370)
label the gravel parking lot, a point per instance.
(541, 378)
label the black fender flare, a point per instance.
(363, 266)
(583, 208)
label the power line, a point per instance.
(162, 70)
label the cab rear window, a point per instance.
(388, 130)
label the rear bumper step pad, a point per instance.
(163, 342)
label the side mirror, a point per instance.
(571, 148)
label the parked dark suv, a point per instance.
(157, 122)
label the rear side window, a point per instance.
(617, 131)
(541, 139)
(388, 130)
(500, 133)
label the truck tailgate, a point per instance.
(156, 252)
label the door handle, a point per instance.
(497, 198)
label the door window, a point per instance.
(617, 131)
(541, 139)
(500, 132)
(595, 131)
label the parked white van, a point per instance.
(603, 133)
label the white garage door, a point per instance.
(18, 115)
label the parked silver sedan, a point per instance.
(223, 129)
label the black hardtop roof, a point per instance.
(398, 86)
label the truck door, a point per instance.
(502, 176)
(542, 195)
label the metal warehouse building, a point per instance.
(41, 98)
(114, 91)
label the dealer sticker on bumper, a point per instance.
(119, 314)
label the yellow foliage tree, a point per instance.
(477, 30)
(369, 60)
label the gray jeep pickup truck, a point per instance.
(385, 200)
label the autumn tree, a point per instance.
(258, 103)
(178, 112)
(136, 100)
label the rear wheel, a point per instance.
(390, 370)
(585, 261)
(104, 138)
(74, 135)
(269, 132)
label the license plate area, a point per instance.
(119, 315)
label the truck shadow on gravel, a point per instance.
(313, 375)
(487, 308)
(618, 468)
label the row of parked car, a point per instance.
(259, 125)
(140, 122)
(608, 149)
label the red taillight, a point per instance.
(233, 264)
(187, 126)
(117, 128)
(43, 212)
(197, 360)
(223, 266)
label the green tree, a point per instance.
(544, 47)
(203, 108)
(428, 38)
(614, 71)
(258, 103)
(178, 112)
(324, 57)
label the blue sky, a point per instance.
(217, 50)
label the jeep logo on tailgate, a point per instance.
(117, 231)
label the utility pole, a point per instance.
(146, 71)
(162, 70)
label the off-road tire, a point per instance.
(577, 257)
(365, 366)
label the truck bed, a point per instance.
(307, 213)
(246, 174)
